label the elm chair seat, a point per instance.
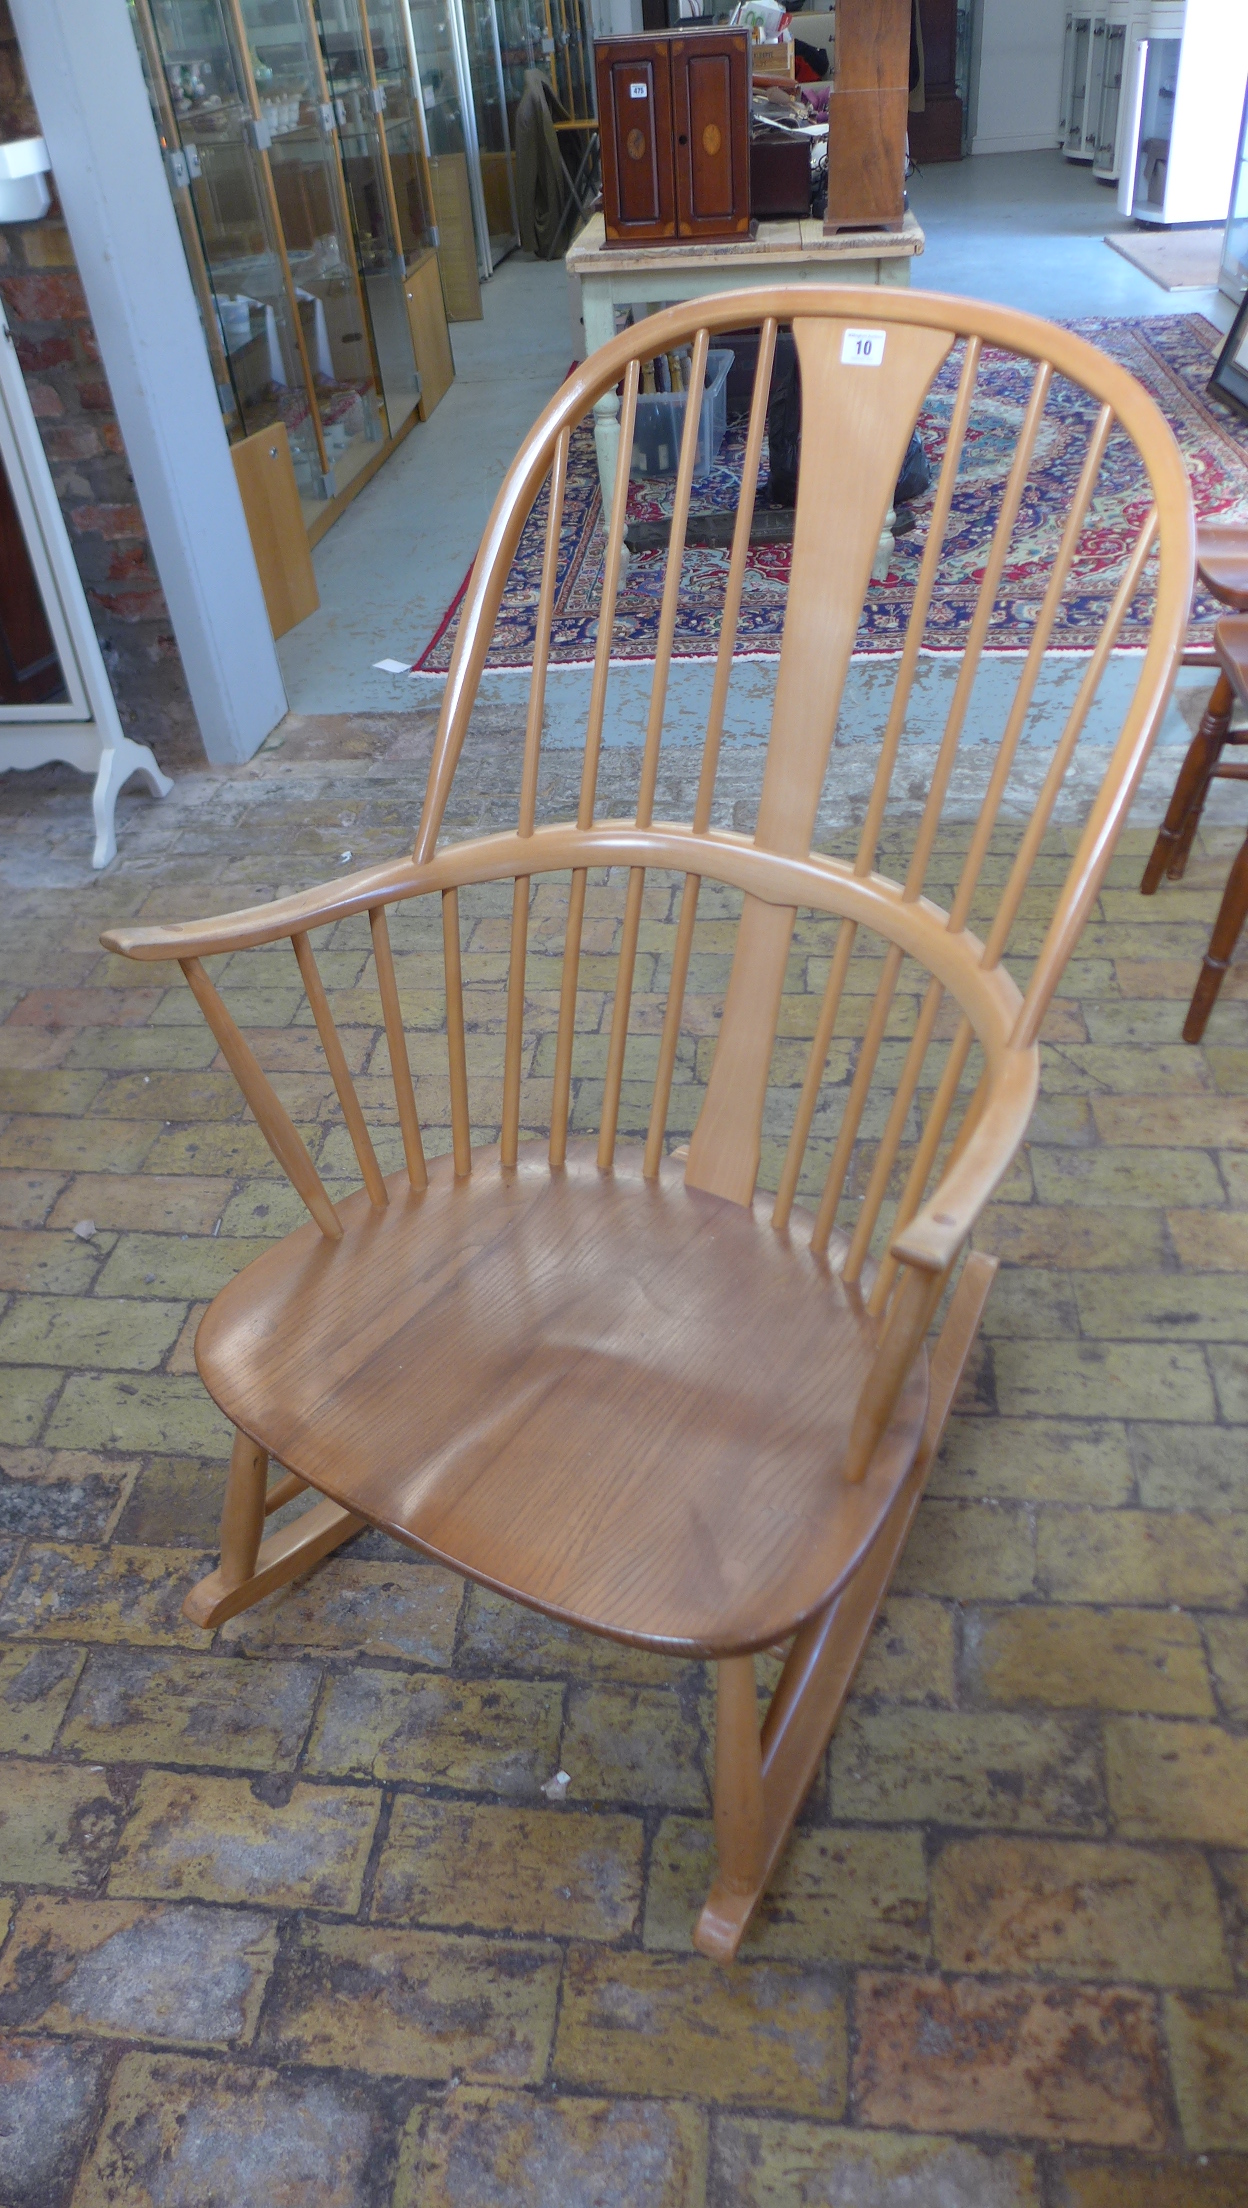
(623, 1401)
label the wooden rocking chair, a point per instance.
(608, 1380)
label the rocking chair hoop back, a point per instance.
(602, 1376)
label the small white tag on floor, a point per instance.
(393, 666)
(863, 348)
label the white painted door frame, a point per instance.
(82, 727)
(84, 71)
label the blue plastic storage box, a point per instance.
(661, 420)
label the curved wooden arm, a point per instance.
(988, 996)
(937, 1232)
(242, 931)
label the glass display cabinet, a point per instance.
(1233, 274)
(449, 121)
(499, 230)
(1105, 156)
(1077, 93)
(471, 56)
(461, 74)
(369, 84)
(1159, 59)
(298, 175)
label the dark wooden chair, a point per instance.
(604, 1376)
(1222, 565)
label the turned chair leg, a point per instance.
(738, 1776)
(251, 1567)
(242, 1514)
(1177, 833)
(762, 1781)
(1226, 931)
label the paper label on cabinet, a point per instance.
(637, 91)
(863, 348)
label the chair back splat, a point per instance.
(574, 1352)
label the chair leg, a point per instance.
(1226, 929)
(819, 1672)
(1177, 833)
(738, 1776)
(251, 1567)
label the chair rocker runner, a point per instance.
(605, 1378)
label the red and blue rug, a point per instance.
(1172, 356)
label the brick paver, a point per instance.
(284, 1913)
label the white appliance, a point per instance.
(1185, 93)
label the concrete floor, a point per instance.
(1024, 229)
(1028, 230)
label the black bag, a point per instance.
(784, 423)
(916, 474)
(784, 420)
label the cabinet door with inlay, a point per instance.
(635, 120)
(711, 114)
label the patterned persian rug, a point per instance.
(1172, 355)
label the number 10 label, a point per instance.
(862, 348)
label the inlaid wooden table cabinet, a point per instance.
(674, 124)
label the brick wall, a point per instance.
(47, 313)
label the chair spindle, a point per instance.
(627, 962)
(513, 1048)
(461, 1124)
(331, 1043)
(894, 1129)
(396, 1043)
(541, 642)
(270, 1113)
(855, 1102)
(513, 1044)
(610, 590)
(589, 772)
(994, 568)
(561, 1087)
(1111, 802)
(925, 1156)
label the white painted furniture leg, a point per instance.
(118, 761)
(884, 557)
(598, 316)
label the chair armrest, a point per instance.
(937, 1232)
(284, 916)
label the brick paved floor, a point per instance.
(285, 1917)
